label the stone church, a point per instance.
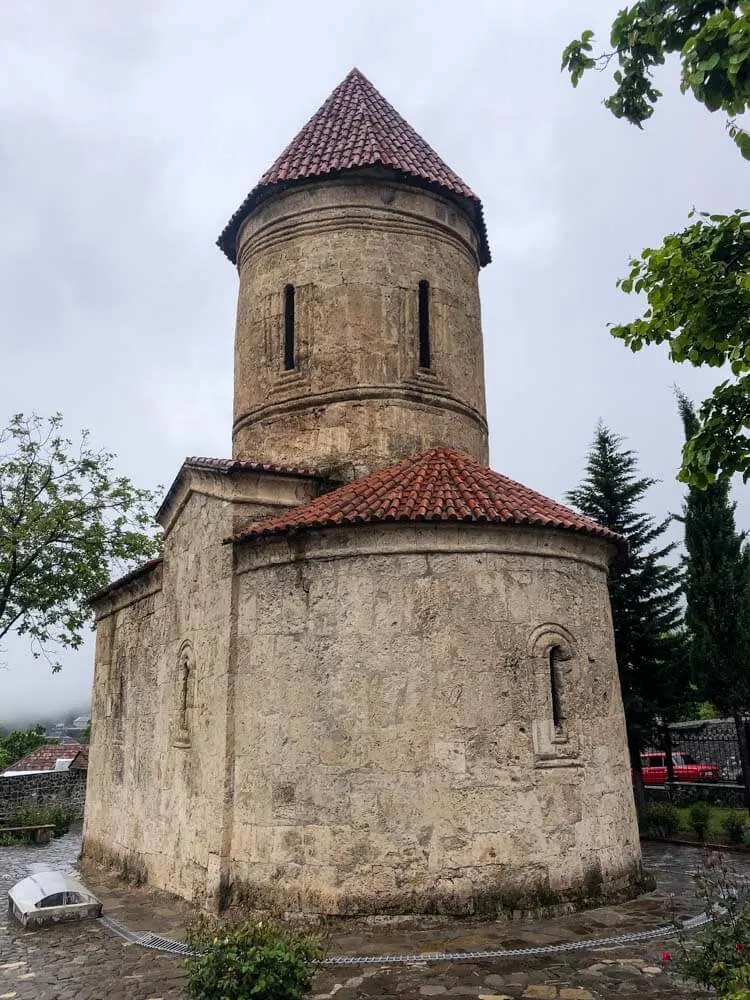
(368, 674)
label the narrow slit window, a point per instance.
(424, 324)
(556, 686)
(289, 362)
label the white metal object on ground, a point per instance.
(48, 897)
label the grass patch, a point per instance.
(717, 816)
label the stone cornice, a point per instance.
(331, 219)
(381, 540)
(134, 587)
(238, 486)
(350, 201)
(421, 393)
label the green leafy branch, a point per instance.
(697, 286)
(65, 521)
(711, 39)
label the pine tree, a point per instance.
(717, 594)
(644, 591)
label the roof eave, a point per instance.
(227, 241)
(135, 574)
(617, 543)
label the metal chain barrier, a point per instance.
(178, 948)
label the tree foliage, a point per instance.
(66, 520)
(697, 283)
(644, 590)
(17, 744)
(717, 592)
(711, 38)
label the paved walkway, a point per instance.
(86, 962)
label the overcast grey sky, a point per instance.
(131, 132)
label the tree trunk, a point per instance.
(636, 765)
(666, 745)
(741, 728)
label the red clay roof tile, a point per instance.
(129, 577)
(230, 465)
(355, 128)
(43, 758)
(222, 466)
(439, 485)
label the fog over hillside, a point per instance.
(24, 718)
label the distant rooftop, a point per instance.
(45, 758)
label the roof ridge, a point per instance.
(360, 80)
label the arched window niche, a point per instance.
(553, 655)
(185, 694)
(423, 326)
(290, 350)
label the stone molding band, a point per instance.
(332, 218)
(131, 592)
(325, 544)
(441, 400)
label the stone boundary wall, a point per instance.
(49, 788)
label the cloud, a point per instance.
(128, 142)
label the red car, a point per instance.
(685, 767)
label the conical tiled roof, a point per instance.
(355, 128)
(438, 485)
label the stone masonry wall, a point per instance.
(395, 747)
(160, 769)
(355, 251)
(51, 788)
(367, 723)
(158, 757)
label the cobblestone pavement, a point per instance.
(83, 961)
(78, 961)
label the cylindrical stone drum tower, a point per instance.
(359, 337)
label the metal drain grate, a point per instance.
(180, 949)
(157, 943)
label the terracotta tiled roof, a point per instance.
(229, 465)
(356, 128)
(81, 759)
(437, 485)
(134, 574)
(44, 757)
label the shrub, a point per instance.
(58, 816)
(733, 826)
(661, 820)
(718, 957)
(62, 817)
(10, 840)
(250, 961)
(700, 817)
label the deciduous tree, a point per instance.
(697, 283)
(66, 520)
(20, 742)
